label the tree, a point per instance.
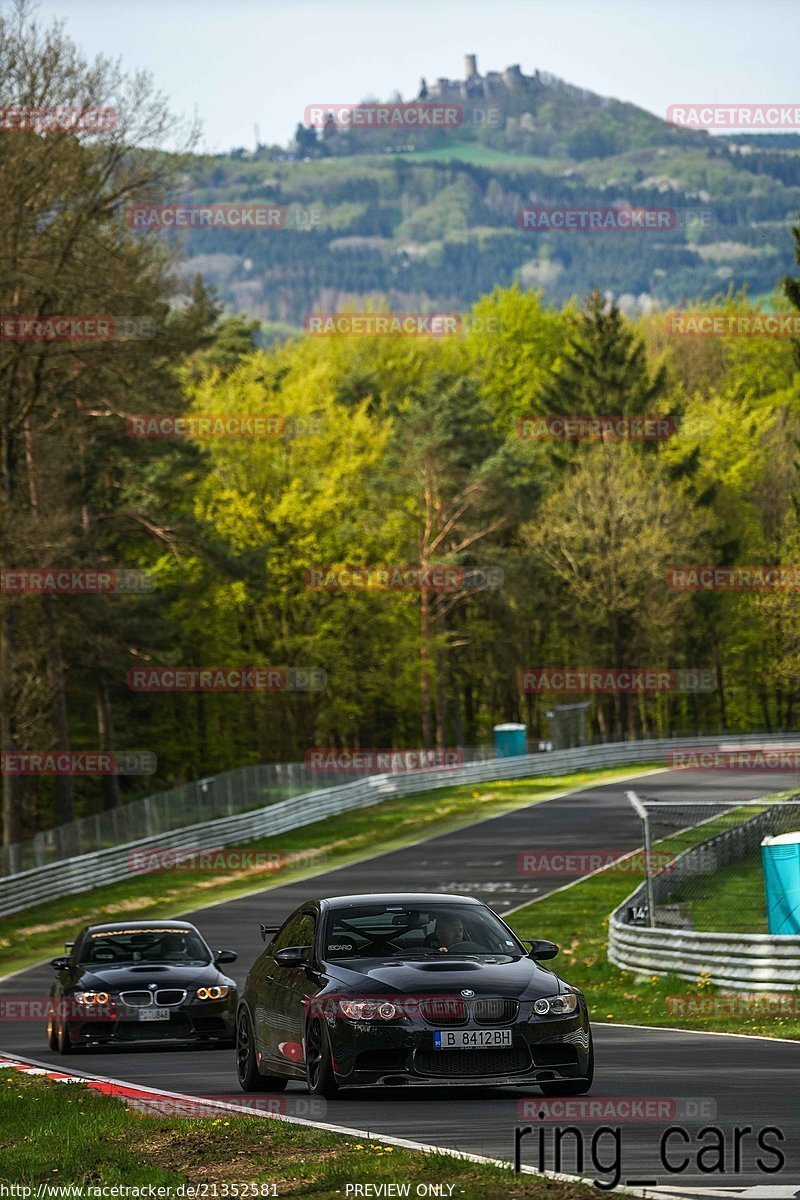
(604, 539)
(603, 369)
(65, 249)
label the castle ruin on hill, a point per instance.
(493, 86)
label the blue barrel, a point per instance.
(781, 858)
(510, 740)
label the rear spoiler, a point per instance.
(265, 929)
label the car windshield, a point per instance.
(124, 947)
(389, 931)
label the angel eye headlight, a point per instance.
(367, 1010)
(212, 993)
(92, 997)
(556, 1006)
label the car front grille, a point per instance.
(470, 1064)
(136, 999)
(170, 997)
(444, 1010)
(440, 1011)
(164, 998)
(495, 1012)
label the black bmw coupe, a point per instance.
(408, 990)
(141, 981)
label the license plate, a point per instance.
(470, 1039)
(153, 1014)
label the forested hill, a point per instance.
(430, 220)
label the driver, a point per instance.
(449, 930)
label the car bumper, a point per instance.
(365, 1055)
(213, 1024)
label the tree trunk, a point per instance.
(63, 803)
(425, 671)
(441, 685)
(112, 794)
(8, 654)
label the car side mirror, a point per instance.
(224, 956)
(540, 948)
(59, 964)
(292, 956)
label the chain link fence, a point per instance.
(222, 795)
(718, 884)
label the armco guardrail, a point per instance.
(738, 962)
(87, 871)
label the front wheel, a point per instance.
(250, 1078)
(319, 1063)
(572, 1087)
(52, 1033)
(63, 1043)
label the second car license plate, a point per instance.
(153, 1014)
(470, 1039)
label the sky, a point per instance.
(238, 64)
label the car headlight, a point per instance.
(368, 1010)
(556, 1006)
(212, 993)
(92, 997)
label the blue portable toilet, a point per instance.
(510, 740)
(781, 858)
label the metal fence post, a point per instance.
(642, 812)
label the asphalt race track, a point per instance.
(736, 1082)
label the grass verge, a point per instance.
(55, 1134)
(577, 919)
(39, 932)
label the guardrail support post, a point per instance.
(642, 812)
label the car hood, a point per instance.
(520, 978)
(114, 979)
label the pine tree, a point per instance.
(604, 368)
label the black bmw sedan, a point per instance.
(141, 982)
(408, 989)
